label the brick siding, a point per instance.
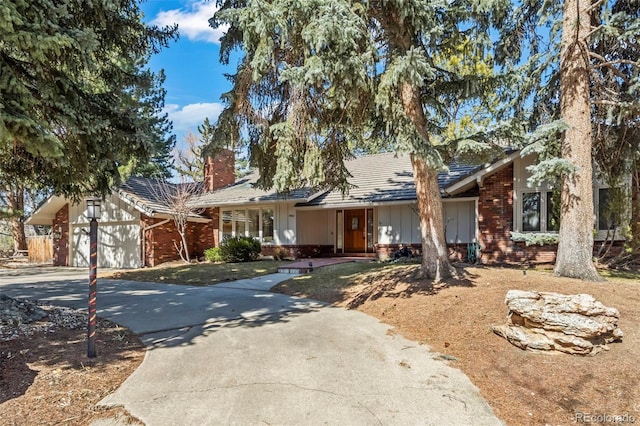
(219, 171)
(495, 216)
(61, 245)
(159, 242)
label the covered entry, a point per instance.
(355, 231)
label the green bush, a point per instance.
(213, 254)
(240, 249)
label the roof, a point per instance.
(384, 178)
(144, 194)
(376, 178)
(46, 212)
(148, 195)
(244, 191)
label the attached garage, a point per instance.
(119, 246)
(135, 228)
(118, 235)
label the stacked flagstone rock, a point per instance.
(575, 324)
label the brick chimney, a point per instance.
(219, 171)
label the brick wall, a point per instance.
(158, 242)
(61, 245)
(495, 216)
(219, 171)
(206, 235)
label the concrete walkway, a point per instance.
(236, 354)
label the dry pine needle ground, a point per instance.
(523, 388)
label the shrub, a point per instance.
(213, 254)
(240, 249)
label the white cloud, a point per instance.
(193, 22)
(187, 119)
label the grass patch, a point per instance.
(199, 274)
(620, 275)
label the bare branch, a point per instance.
(176, 198)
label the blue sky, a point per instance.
(194, 76)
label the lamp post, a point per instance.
(93, 213)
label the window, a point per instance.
(540, 211)
(340, 229)
(240, 217)
(369, 229)
(553, 211)
(227, 224)
(253, 223)
(531, 211)
(257, 223)
(605, 218)
(267, 225)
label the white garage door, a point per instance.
(118, 246)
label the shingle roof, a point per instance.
(376, 178)
(385, 177)
(146, 195)
(243, 191)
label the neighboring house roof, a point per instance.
(244, 191)
(376, 178)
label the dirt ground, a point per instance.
(524, 388)
(47, 379)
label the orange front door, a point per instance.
(354, 231)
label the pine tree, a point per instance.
(77, 104)
(581, 75)
(322, 80)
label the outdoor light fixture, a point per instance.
(93, 207)
(93, 213)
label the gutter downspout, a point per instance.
(144, 242)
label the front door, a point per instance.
(354, 231)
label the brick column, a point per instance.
(495, 216)
(61, 245)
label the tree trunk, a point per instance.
(15, 201)
(575, 248)
(435, 256)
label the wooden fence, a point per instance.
(40, 249)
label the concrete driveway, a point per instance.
(237, 354)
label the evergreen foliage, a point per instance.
(320, 81)
(240, 249)
(529, 47)
(324, 80)
(78, 107)
(213, 254)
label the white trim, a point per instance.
(460, 199)
(44, 214)
(316, 195)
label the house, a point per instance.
(482, 205)
(135, 228)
